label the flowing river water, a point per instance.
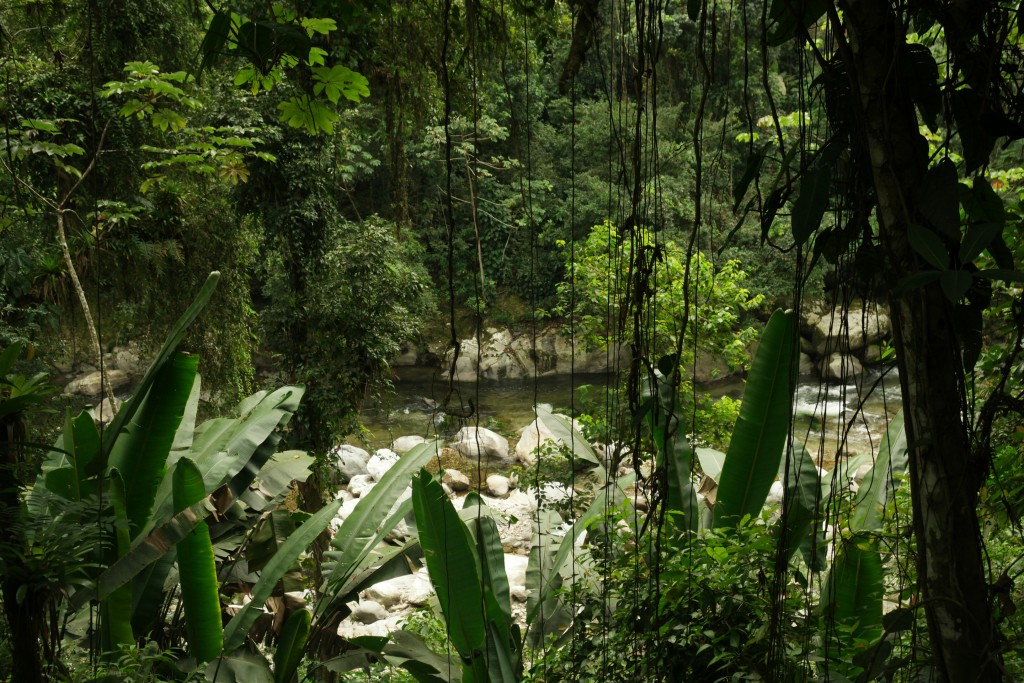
(833, 420)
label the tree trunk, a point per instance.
(944, 480)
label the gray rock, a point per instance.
(709, 367)
(367, 611)
(103, 413)
(473, 442)
(533, 436)
(411, 589)
(350, 461)
(498, 485)
(91, 384)
(351, 628)
(503, 356)
(515, 569)
(859, 327)
(807, 366)
(361, 484)
(838, 367)
(380, 462)
(408, 356)
(404, 444)
(515, 535)
(872, 354)
(456, 480)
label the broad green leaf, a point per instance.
(711, 462)
(802, 502)
(290, 646)
(494, 579)
(140, 451)
(117, 605)
(752, 169)
(976, 240)
(214, 41)
(187, 427)
(234, 449)
(879, 484)
(197, 570)
(339, 81)
(238, 628)
(313, 115)
(151, 548)
(562, 429)
(918, 70)
(241, 666)
(938, 198)
(7, 358)
(1001, 274)
(758, 439)
(544, 611)
(809, 207)
(276, 477)
(853, 590)
(362, 529)
(319, 25)
(915, 280)
(452, 561)
(977, 142)
(955, 284)
(982, 203)
(928, 245)
(409, 651)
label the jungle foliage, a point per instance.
(655, 176)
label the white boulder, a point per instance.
(360, 485)
(350, 461)
(473, 442)
(404, 444)
(498, 485)
(411, 589)
(380, 462)
(456, 480)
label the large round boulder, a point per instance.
(474, 442)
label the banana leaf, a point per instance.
(497, 593)
(187, 427)
(801, 508)
(291, 645)
(853, 590)
(452, 562)
(197, 570)
(140, 451)
(758, 439)
(275, 479)
(675, 455)
(238, 628)
(362, 529)
(116, 608)
(130, 407)
(879, 485)
(241, 666)
(545, 612)
(70, 470)
(150, 549)
(407, 650)
(564, 431)
(223, 447)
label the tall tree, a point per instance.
(881, 88)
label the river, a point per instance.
(833, 420)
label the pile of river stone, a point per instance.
(381, 608)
